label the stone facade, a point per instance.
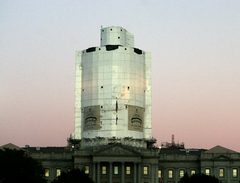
(117, 163)
(123, 163)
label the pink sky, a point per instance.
(195, 67)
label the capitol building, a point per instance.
(112, 139)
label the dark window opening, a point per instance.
(99, 48)
(101, 106)
(111, 47)
(82, 89)
(125, 48)
(110, 29)
(138, 51)
(101, 86)
(128, 87)
(91, 49)
(118, 37)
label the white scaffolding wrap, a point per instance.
(113, 89)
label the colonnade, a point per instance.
(136, 175)
(97, 172)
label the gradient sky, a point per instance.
(195, 48)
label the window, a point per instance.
(234, 172)
(159, 173)
(207, 171)
(115, 170)
(47, 172)
(193, 172)
(181, 173)
(128, 170)
(104, 170)
(170, 174)
(221, 172)
(86, 169)
(58, 172)
(145, 170)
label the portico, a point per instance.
(118, 163)
(116, 172)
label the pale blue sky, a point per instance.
(195, 66)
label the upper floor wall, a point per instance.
(116, 36)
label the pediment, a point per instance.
(116, 150)
(221, 157)
(220, 149)
(10, 146)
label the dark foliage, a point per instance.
(73, 176)
(199, 178)
(17, 166)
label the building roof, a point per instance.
(10, 146)
(220, 149)
(112, 144)
(49, 149)
(181, 151)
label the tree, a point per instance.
(199, 178)
(185, 178)
(74, 176)
(18, 166)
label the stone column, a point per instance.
(188, 171)
(98, 172)
(51, 172)
(152, 172)
(94, 171)
(228, 173)
(214, 170)
(110, 172)
(139, 173)
(176, 174)
(156, 173)
(135, 172)
(123, 172)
